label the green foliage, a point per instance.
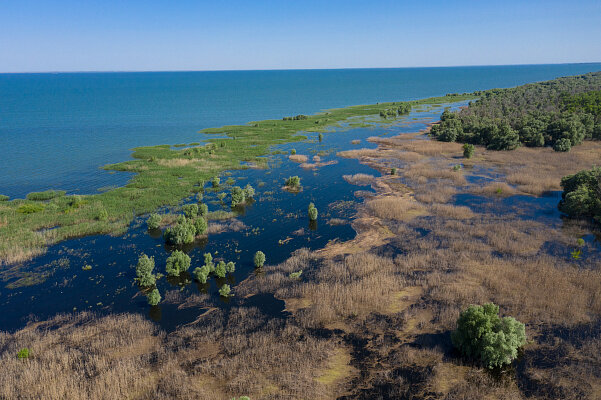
(102, 215)
(563, 144)
(293, 151)
(86, 267)
(293, 182)
(182, 233)
(220, 270)
(249, 191)
(190, 210)
(389, 113)
(296, 275)
(202, 273)
(230, 181)
(230, 267)
(177, 263)
(241, 398)
(393, 171)
(154, 221)
(30, 208)
(144, 271)
(320, 136)
(215, 182)
(482, 335)
(259, 259)
(295, 118)
(23, 354)
(153, 297)
(4, 197)
(457, 167)
(581, 195)
(209, 262)
(47, 195)
(225, 290)
(468, 150)
(200, 225)
(238, 196)
(312, 211)
(203, 210)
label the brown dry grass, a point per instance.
(398, 208)
(359, 179)
(299, 158)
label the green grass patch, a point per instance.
(47, 195)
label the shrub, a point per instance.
(23, 353)
(581, 195)
(86, 267)
(481, 334)
(230, 267)
(103, 215)
(249, 191)
(182, 233)
(153, 297)
(220, 270)
(225, 290)
(215, 182)
(238, 196)
(457, 167)
(320, 137)
(221, 196)
(393, 171)
(293, 182)
(203, 210)
(201, 274)
(296, 275)
(312, 212)
(259, 259)
(154, 221)
(30, 208)
(144, 270)
(201, 225)
(47, 195)
(562, 144)
(209, 262)
(177, 263)
(190, 210)
(4, 197)
(293, 151)
(230, 181)
(468, 150)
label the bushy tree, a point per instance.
(220, 270)
(238, 196)
(177, 263)
(468, 150)
(563, 144)
(225, 290)
(209, 262)
(201, 273)
(203, 210)
(190, 210)
(259, 259)
(153, 297)
(154, 221)
(293, 182)
(215, 182)
(581, 195)
(144, 271)
(182, 233)
(312, 211)
(201, 225)
(482, 335)
(230, 267)
(249, 191)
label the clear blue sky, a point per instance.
(101, 35)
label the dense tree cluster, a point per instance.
(581, 195)
(295, 118)
(559, 113)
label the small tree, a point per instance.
(238, 196)
(201, 274)
(293, 182)
(481, 334)
(249, 191)
(200, 224)
(203, 210)
(154, 221)
(220, 270)
(230, 267)
(190, 210)
(144, 271)
(215, 182)
(225, 290)
(468, 150)
(153, 297)
(293, 151)
(312, 212)
(182, 233)
(259, 259)
(177, 263)
(209, 262)
(562, 144)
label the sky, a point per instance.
(153, 35)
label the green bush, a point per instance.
(562, 144)
(230, 267)
(209, 262)
(259, 259)
(103, 215)
(154, 221)
(293, 151)
(190, 210)
(30, 208)
(482, 335)
(201, 225)
(320, 137)
(177, 263)
(293, 182)
(203, 210)
(393, 171)
(249, 191)
(215, 182)
(47, 195)
(581, 195)
(23, 354)
(468, 150)
(201, 274)
(182, 233)
(238, 196)
(144, 271)
(220, 270)
(4, 197)
(153, 297)
(312, 212)
(296, 275)
(230, 181)
(225, 290)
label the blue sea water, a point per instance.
(57, 130)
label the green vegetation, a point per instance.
(238, 196)
(259, 259)
(249, 191)
(4, 197)
(581, 195)
(468, 150)
(144, 271)
(163, 176)
(23, 354)
(292, 151)
(215, 182)
(154, 221)
(203, 210)
(539, 114)
(182, 233)
(312, 211)
(293, 182)
(200, 225)
(296, 275)
(190, 210)
(47, 195)
(86, 267)
(320, 136)
(177, 263)
(220, 271)
(299, 117)
(393, 171)
(482, 335)
(225, 290)
(153, 297)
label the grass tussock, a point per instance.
(299, 158)
(359, 179)
(398, 208)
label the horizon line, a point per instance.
(284, 69)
